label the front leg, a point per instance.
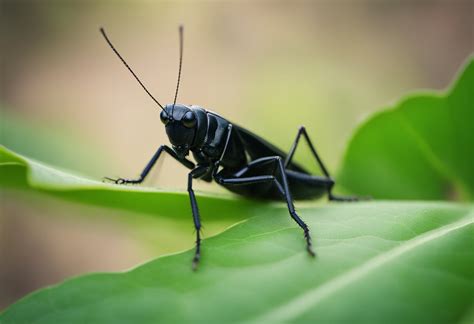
(149, 166)
(199, 171)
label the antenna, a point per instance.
(128, 67)
(180, 62)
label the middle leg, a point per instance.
(196, 173)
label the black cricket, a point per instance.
(234, 157)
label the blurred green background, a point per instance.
(67, 100)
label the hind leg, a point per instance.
(270, 164)
(331, 196)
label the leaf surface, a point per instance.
(20, 172)
(376, 262)
(422, 149)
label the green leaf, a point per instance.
(376, 262)
(19, 172)
(423, 148)
(50, 142)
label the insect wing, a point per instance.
(257, 147)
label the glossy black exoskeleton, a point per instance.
(235, 158)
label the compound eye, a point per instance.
(189, 120)
(164, 117)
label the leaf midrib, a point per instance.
(308, 299)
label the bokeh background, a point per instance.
(271, 66)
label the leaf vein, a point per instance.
(309, 299)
